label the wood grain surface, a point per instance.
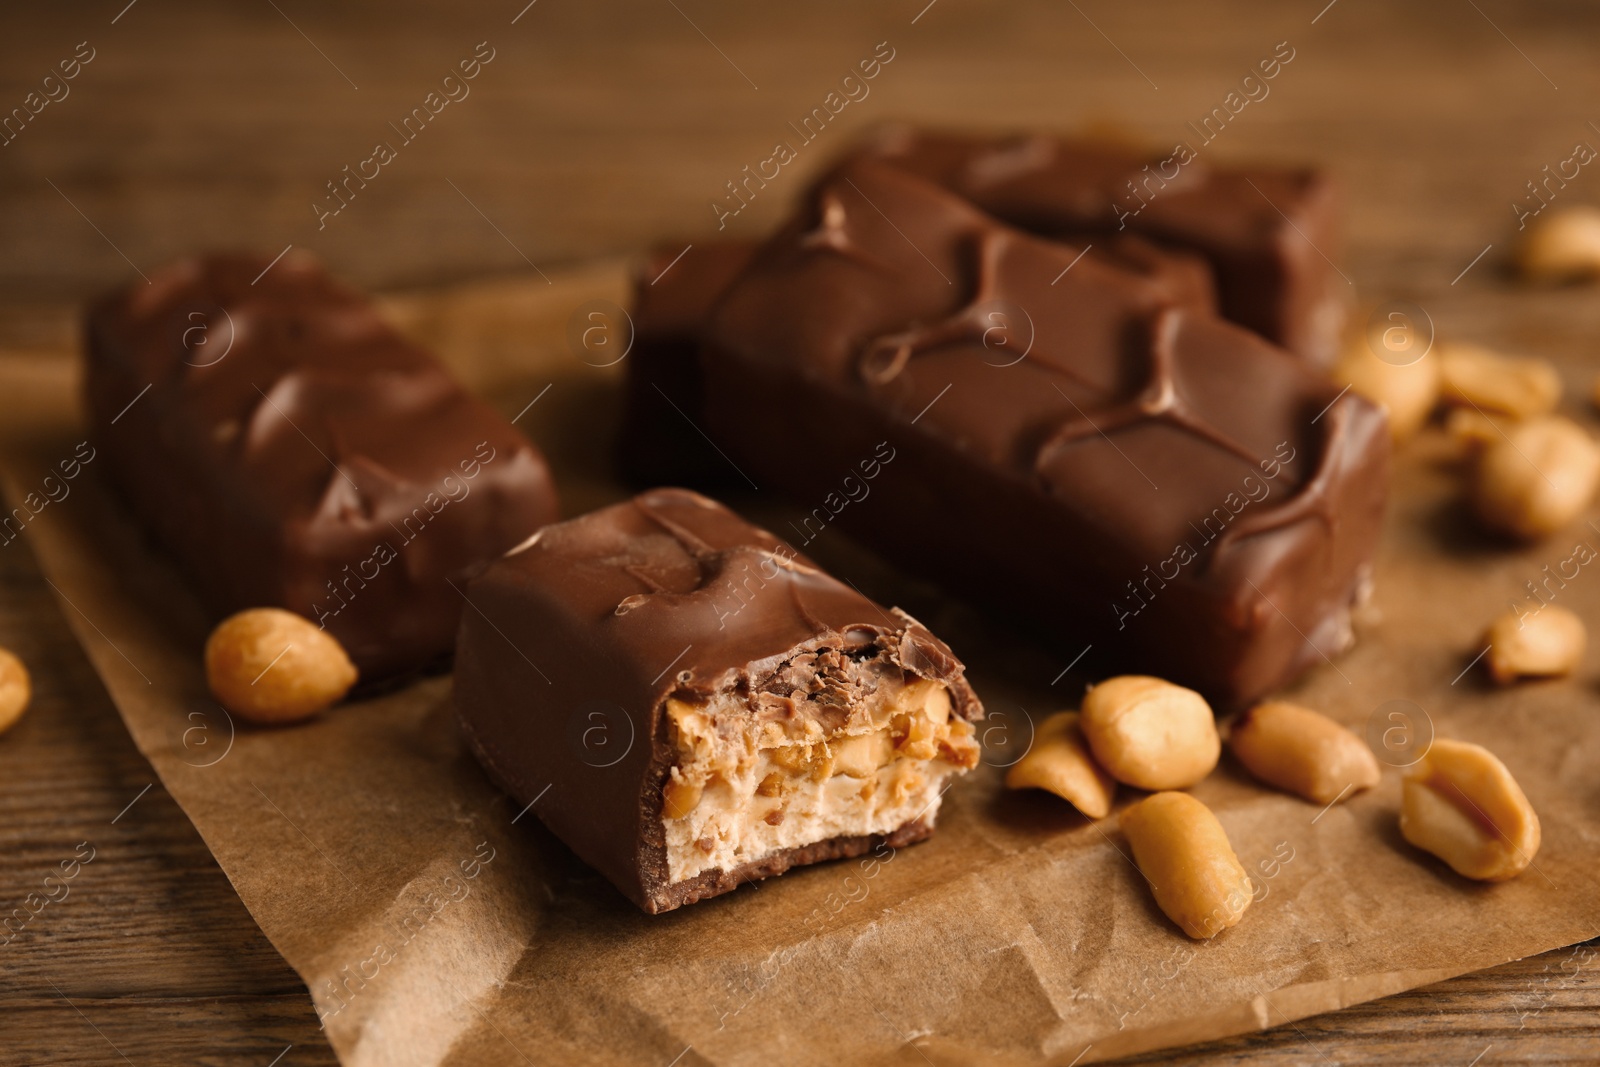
(598, 128)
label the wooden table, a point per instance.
(601, 127)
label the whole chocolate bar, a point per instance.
(291, 450)
(1132, 474)
(689, 704)
(1267, 231)
(663, 410)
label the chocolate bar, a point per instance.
(1143, 478)
(1267, 231)
(290, 450)
(663, 412)
(690, 704)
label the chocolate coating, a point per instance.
(577, 639)
(1267, 231)
(662, 399)
(664, 414)
(290, 449)
(1164, 485)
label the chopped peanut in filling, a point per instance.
(744, 789)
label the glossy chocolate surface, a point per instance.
(290, 449)
(662, 437)
(1268, 232)
(1125, 471)
(575, 641)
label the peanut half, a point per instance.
(1408, 392)
(861, 756)
(1500, 385)
(267, 665)
(1461, 804)
(1059, 761)
(1183, 852)
(1149, 733)
(1546, 644)
(15, 689)
(1302, 752)
(679, 796)
(1562, 246)
(1536, 478)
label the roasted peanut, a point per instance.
(920, 739)
(1149, 733)
(1461, 804)
(679, 797)
(1302, 752)
(1544, 644)
(273, 666)
(813, 760)
(1408, 392)
(15, 689)
(1502, 385)
(936, 702)
(862, 755)
(907, 780)
(1562, 245)
(923, 718)
(1537, 478)
(1183, 852)
(1059, 761)
(959, 749)
(693, 731)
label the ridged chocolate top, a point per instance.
(1136, 413)
(1267, 231)
(293, 450)
(1050, 184)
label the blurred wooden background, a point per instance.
(598, 128)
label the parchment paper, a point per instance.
(435, 923)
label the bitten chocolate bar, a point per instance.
(290, 450)
(689, 704)
(1131, 474)
(1267, 231)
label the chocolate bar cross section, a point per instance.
(690, 704)
(1125, 471)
